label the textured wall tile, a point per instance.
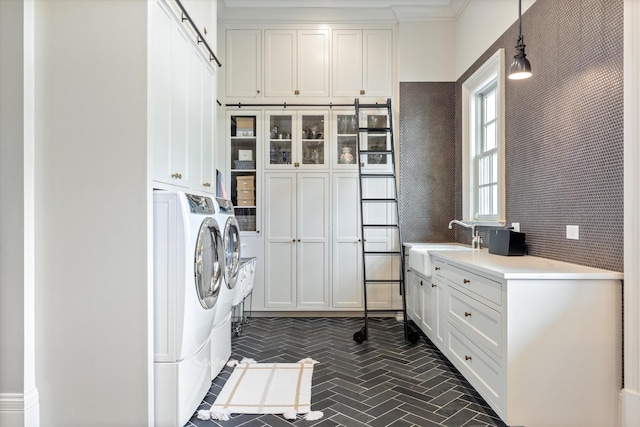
(427, 151)
(564, 131)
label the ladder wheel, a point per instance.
(412, 335)
(360, 336)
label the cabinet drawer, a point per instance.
(480, 285)
(477, 367)
(482, 324)
(437, 269)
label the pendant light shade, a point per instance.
(520, 67)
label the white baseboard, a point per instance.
(630, 402)
(20, 409)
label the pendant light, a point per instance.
(520, 67)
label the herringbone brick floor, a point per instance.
(384, 381)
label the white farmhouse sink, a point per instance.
(420, 260)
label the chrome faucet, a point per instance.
(476, 240)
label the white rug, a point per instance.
(265, 388)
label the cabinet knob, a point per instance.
(298, 240)
(296, 92)
(296, 164)
(204, 30)
(258, 91)
(258, 231)
(433, 285)
(466, 281)
(437, 268)
(361, 91)
(467, 314)
(206, 184)
(176, 175)
(420, 282)
(294, 240)
(468, 358)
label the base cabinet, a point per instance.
(543, 349)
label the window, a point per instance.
(483, 143)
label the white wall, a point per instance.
(18, 392)
(480, 24)
(92, 201)
(425, 51)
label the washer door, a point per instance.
(231, 251)
(208, 263)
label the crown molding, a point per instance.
(315, 11)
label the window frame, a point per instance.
(488, 73)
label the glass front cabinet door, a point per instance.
(378, 141)
(243, 153)
(345, 154)
(297, 140)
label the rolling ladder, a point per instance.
(382, 256)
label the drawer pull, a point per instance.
(466, 281)
(467, 357)
(176, 175)
(437, 268)
(433, 285)
(420, 282)
(467, 314)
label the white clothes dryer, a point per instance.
(221, 331)
(188, 271)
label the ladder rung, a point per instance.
(377, 175)
(380, 200)
(363, 152)
(377, 106)
(383, 281)
(382, 252)
(375, 129)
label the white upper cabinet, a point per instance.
(182, 83)
(244, 63)
(362, 63)
(296, 63)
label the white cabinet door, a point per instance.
(194, 116)
(168, 106)
(207, 163)
(362, 63)
(296, 63)
(296, 240)
(347, 252)
(280, 240)
(313, 63)
(297, 140)
(383, 295)
(244, 63)
(378, 62)
(313, 240)
(160, 93)
(280, 62)
(347, 63)
(429, 307)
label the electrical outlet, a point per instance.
(573, 232)
(516, 226)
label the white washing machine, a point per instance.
(188, 271)
(221, 331)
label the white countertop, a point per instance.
(522, 267)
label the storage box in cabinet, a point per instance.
(245, 155)
(244, 126)
(246, 222)
(244, 164)
(482, 324)
(245, 182)
(246, 195)
(246, 202)
(483, 287)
